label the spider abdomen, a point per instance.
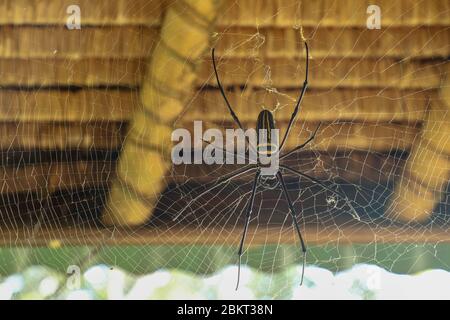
(265, 129)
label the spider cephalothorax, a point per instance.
(267, 147)
(269, 182)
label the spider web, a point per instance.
(371, 113)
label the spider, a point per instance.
(265, 121)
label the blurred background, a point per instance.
(91, 91)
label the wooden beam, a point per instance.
(334, 42)
(55, 176)
(327, 13)
(235, 42)
(374, 137)
(112, 12)
(354, 166)
(66, 173)
(325, 72)
(60, 135)
(59, 42)
(242, 12)
(91, 105)
(57, 72)
(179, 235)
(345, 104)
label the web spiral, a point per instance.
(380, 95)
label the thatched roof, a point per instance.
(74, 91)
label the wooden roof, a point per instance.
(74, 91)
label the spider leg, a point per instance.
(305, 85)
(353, 213)
(247, 220)
(311, 138)
(235, 118)
(221, 181)
(294, 219)
(222, 91)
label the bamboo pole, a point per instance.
(427, 171)
(170, 76)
